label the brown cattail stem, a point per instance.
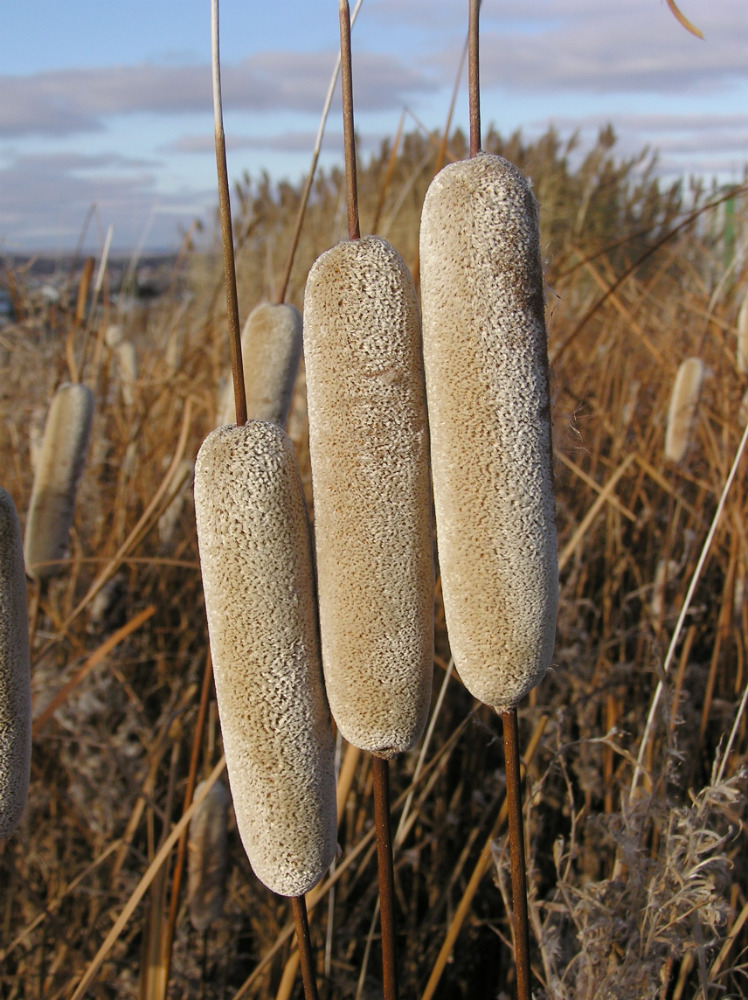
(227, 239)
(280, 296)
(298, 905)
(386, 876)
(474, 76)
(517, 852)
(349, 137)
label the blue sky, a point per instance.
(109, 101)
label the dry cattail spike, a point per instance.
(15, 672)
(207, 856)
(683, 403)
(485, 356)
(271, 351)
(372, 507)
(256, 559)
(743, 336)
(61, 461)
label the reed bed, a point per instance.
(637, 885)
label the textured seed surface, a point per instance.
(485, 356)
(256, 559)
(15, 672)
(271, 350)
(207, 856)
(683, 403)
(61, 461)
(372, 508)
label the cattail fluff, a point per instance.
(15, 672)
(372, 507)
(207, 856)
(485, 356)
(743, 337)
(61, 461)
(271, 351)
(683, 403)
(256, 559)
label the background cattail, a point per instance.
(743, 336)
(486, 365)
(207, 856)
(372, 507)
(683, 403)
(255, 554)
(15, 675)
(63, 454)
(271, 351)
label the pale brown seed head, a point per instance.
(207, 856)
(485, 356)
(372, 507)
(256, 559)
(683, 403)
(61, 461)
(15, 672)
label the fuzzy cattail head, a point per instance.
(372, 505)
(486, 365)
(61, 460)
(683, 403)
(743, 336)
(15, 675)
(256, 560)
(207, 856)
(271, 351)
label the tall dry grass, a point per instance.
(631, 895)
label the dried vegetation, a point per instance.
(638, 886)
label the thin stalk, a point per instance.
(283, 286)
(474, 76)
(517, 853)
(349, 137)
(386, 876)
(227, 239)
(298, 905)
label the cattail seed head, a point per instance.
(207, 856)
(743, 336)
(485, 356)
(61, 461)
(256, 560)
(271, 351)
(372, 505)
(15, 672)
(683, 403)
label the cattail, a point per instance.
(485, 356)
(372, 507)
(271, 350)
(15, 672)
(61, 461)
(207, 856)
(683, 403)
(127, 364)
(256, 559)
(743, 336)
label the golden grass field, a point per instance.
(638, 881)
